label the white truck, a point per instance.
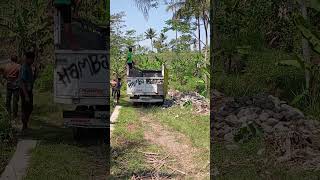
(81, 78)
(147, 86)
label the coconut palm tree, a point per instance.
(150, 34)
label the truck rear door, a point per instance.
(81, 77)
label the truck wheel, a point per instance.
(103, 135)
(81, 108)
(76, 133)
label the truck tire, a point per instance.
(82, 108)
(76, 131)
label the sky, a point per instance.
(135, 20)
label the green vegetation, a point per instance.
(7, 139)
(272, 32)
(25, 26)
(186, 56)
(265, 46)
(59, 161)
(250, 161)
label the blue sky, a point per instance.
(135, 20)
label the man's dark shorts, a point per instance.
(130, 65)
(26, 107)
(65, 12)
(118, 94)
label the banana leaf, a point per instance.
(299, 97)
(307, 33)
(315, 4)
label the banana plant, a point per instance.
(314, 70)
(312, 87)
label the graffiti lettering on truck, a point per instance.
(141, 81)
(135, 82)
(95, 63)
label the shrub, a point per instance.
(44, 82)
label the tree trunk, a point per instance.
(151, 45)
(199, 33)
(305, 45)
(205, 24)
(213, 45)
(175, 12)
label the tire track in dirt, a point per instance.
(176, 145)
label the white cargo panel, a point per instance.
(145, 86)
(81, 77)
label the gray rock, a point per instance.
(272, 122)
(248, 118)
(279, 116)
(264, 116)
(291, 112)
(247, 112)
(232, 147)
(228, 137)
(232, 120)
(226, 129)
(280, 128)
(217, 126)
(260, 151)
(266, 128)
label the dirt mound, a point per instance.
(198, 102)
(288, 133)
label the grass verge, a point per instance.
(128, 145)
(246, 163)
(57, 156)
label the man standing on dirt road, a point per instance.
(11, 74)
(27, 78)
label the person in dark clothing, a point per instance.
(118, 89)
(129, 58)
(26, 85)
(11, 74)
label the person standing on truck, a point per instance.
(26, 85)
(129, 58)
(118, 89)
(64, 6)
(11, 74)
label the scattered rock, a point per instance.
(199, 103)
(260, 151)
(232, 147)
(228, 137)
(294, 137)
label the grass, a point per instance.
(245, 163)
(57, 156)
(59, 161)
(7, 139)
(128, 145)
(6, 152)
(195, 127)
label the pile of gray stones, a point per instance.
(199, 103)
(291, 134)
